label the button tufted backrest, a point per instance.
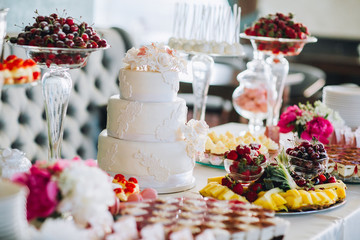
(22, 115)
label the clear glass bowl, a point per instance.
(243, 175)
(283, 46)
(308, 169)
(61, 57)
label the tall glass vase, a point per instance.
(56, 86)
(201, 69)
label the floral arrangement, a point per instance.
(155, 57)
(73, 188)
(310, 121)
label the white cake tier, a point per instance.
(146, 121)
(163, 166)
(148, 86)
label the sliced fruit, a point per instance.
(218, 191)
(215, 179)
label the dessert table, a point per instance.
(338, 223)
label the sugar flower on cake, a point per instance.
(156, 57)
(195, 133)
(310, 121)
(72, 188)
(13, 161)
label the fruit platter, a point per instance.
(295, 182)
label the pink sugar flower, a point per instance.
(287, 119)
(318, 127)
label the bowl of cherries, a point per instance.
(59, 40)
(246, 163)
(308, 160)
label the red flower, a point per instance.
(287, 119)
(42, 199)
(318, 127)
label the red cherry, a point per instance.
(322, 178)
(70, 21)
(332, 179)
(238, 189)
(85, 37)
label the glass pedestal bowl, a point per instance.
(277, 49)
(243, 174)
(308, 169)
(56, 85)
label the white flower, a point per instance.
(155, 57)
(59, 229)
(87, 194)
(13, 161)
(195, 133)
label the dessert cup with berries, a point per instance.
(245, 164)
(58, 44)
(277, 35)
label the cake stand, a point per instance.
(277, 49)
(56, 86)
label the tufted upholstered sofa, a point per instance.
(22, 115)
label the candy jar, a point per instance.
(250, 99)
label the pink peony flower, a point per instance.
(287, 119)
(318, 127)
(60, 165)
(43, 192)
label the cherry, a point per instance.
(70, 21)
(322, 178)
(332, 179)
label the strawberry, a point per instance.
(234, 167)
(238, 189)
(251, 196)
(256, 187)
(132, 179)
(232, 155)
(226, 182)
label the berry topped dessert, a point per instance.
(15, 70)
(54, 31)
(279, 34)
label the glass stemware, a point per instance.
(56, 86)
(3, 13)
(201, 69)
(277, 49)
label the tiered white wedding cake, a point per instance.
(147, 136)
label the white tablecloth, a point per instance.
(335, 224)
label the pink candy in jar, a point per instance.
(253, 100)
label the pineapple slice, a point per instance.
(218, 191)
(331, 194)
(293, 202)
(266, 200)
(219, 148)
(325, 200)
(215, 179)
(306, 198)
(315, 198)
(278, 199)
(209, 145)
(341, 193)
(226, 194)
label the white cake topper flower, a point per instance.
(155, 57)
